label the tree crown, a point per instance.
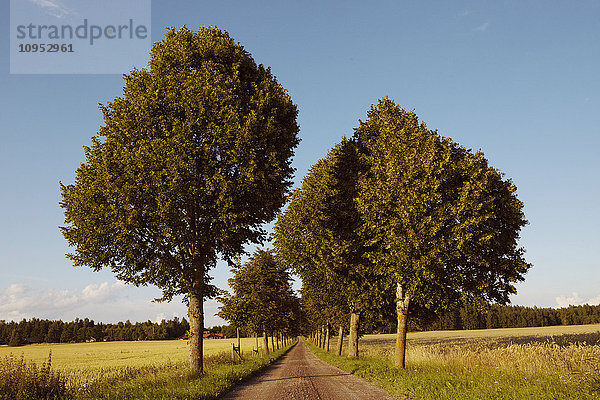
(438, 218)
(190, 162)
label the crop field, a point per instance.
(101, 360)
(570, 353)
(70, 357)
(147, 369)
(502, 334)
(518, 363)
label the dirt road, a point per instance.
(301, 375)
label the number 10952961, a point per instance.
(45, 48)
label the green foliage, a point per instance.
(507, 316)
(53, 333)
(230, 331)
(318, 235)
(400, 205)
(262, 299)
(190, 162)
(23, 380)
(80, 330)
(438, 220)
(15, 338)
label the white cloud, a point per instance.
(595, 301)
(102, 292)
(53, 8)
(15, 289)
(18, 301)
(482, 28)
(566, 301)
(576, 300)
(106, 302)
(165, 316)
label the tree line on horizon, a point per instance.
(80, 330)
(35, 330)
(469, 317)
(493, 316)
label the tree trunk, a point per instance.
(353, 338)
(272, 342)
(237, 333)
(266, 342)
(402, 301)
(196, 316)
(327, 337)
(256, 337)
(340, 341)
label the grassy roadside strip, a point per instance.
(435, 381)
(176, 382)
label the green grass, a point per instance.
(140, 370)
(538, 363)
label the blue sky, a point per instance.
(517, 79)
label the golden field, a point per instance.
(570, 353)
(103, 360)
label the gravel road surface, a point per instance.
(301, 375)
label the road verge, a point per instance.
(434, 381)
(177, 382)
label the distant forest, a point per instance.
(81, 330)
(469, 317)
(498, 316)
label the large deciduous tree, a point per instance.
(438, 220)
(189, 164)
(318, 235)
